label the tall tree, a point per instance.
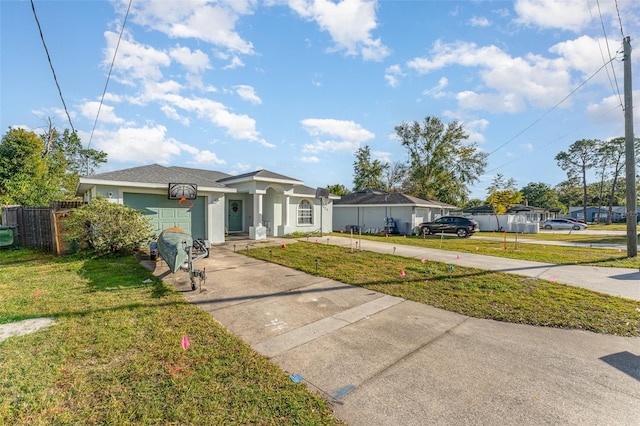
(576, 161)
(540, 194)
(441, 164)
(612, 153)
(367, 174)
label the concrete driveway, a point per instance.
(382, 360)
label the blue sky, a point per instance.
(296, 87)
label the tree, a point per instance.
(36, 170)
(569, 193)
(441, 165)
(540, 194)
(103, 227)
(24, 172)
(394, 177)
(612, 153)
(367, 174)
(502, 195)
(338, 189)
(576, 161)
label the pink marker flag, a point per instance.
(185, 341)
(402, 274)
(553, 278)
(426, 281)
(423, 260)
(458, 257)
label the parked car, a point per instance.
(461, 226)
(562, 224)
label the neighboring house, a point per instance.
(260, 204)
(618, 213)
(518, 218)
(378, 211)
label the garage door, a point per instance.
(165, 213)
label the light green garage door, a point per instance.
(165, 213)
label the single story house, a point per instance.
(618, 213)
(212, 204)
(373, 211)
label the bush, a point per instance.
(104, 227)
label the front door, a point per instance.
(235, 215)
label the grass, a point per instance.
(473, 292)
(516, 249)
(115, 354)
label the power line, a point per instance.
(606, 40)
(619, 19)
(553, 108)
(595, 32)
(55, 78)
(550, 142)
(113, 60)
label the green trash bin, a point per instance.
(6, 236)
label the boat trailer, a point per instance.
(195, 252)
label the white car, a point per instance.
(562, 224)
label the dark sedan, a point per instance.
(461, 226)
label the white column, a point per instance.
(285, 211)
(257, 210)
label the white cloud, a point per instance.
(235, 63)
(560, 14)
(194, 61)
(248, 94)
(343, 135)
(309, 159)
(206, 157)
(137, 60)
(349, 23)
(212, 22)
(437, 91)
(139, 145)
(392, 74)
(508, 83)
(148, 145)
(107, 114)
(479, 21)
(172, 113)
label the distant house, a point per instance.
(373, 211)
(260, 204)
(618, 213)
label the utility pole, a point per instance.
(630, 163)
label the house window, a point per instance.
(305, 213)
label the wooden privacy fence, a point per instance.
(39, 227)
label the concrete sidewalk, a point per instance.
(623, 282)
(383, 360)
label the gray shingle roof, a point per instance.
(373, 197)
(264, 174)
(155, 173)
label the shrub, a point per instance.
(105, 227)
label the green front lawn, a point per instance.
(473, 292)
(515, 248)
(115, 355)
